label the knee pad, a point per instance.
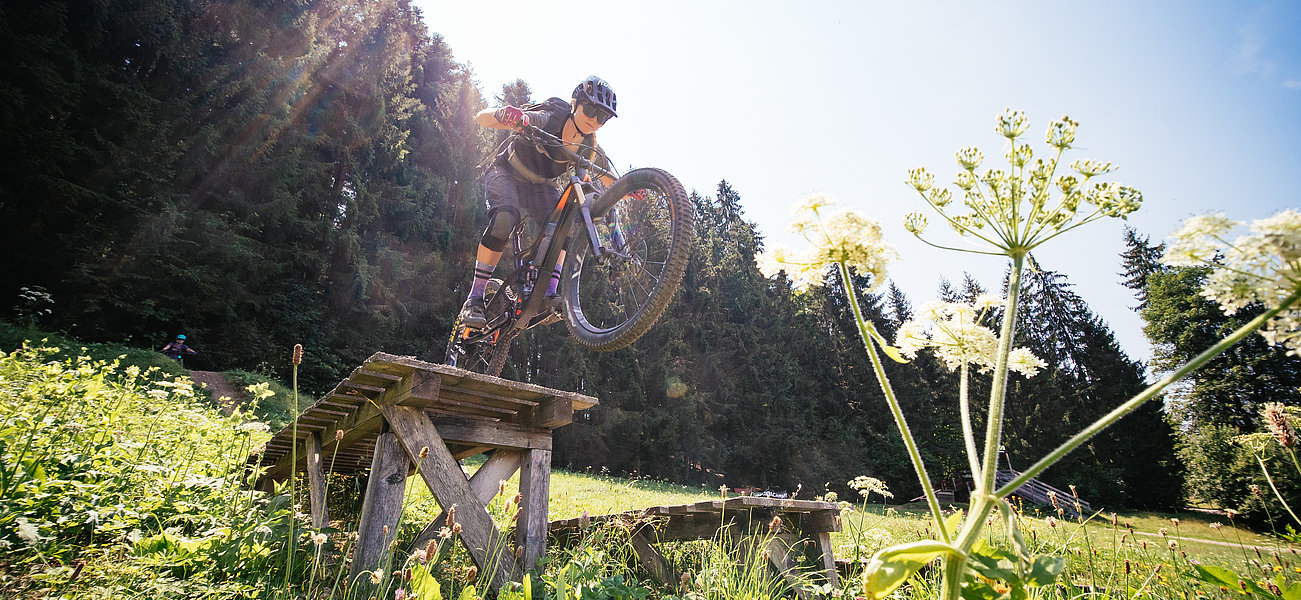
(501, 221)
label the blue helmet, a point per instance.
(180, 337)
(595, 90)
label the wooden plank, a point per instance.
(779, 549)
(443, 476)
(477, 409)
(485, 482)
(316, 482)
(463, 452)
(653, 562)
(461, 430)
(458, 378)
(552, 413)
(350, 384)
(827, 553)
(359, 425)
(382, 507)
(491, 399)
(531, 527)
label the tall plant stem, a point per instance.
(968, 435)
(867, 333)
(293, 478)
(998, 391)
(1152, 391)
(1270, 480)
(954, 567)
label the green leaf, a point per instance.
(1292, 592)
(953, 522)
(894, 354)
(468, 593)
(424, 585)
(1217, 575)
(979, 590)
(1018, 541)
(994, 563)
(890, 567)
(1045, 570)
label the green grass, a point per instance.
(118, 481)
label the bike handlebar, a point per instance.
(537, 134)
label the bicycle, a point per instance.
(627, 249)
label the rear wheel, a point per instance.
(646, 224)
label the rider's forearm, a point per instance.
(488, 118)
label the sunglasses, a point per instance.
(595, 112)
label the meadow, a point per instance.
(120, 479)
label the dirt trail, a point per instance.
(222, 391)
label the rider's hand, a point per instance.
(510, 116)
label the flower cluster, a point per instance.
(842, 236)
(870, 485)
(1259, 267)
(953, 331)
(1012, 211)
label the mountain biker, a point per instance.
(177, 350)
(525, 177)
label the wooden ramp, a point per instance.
(1039, 492)
(396, 414)
(781, 528)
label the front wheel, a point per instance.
(483, 351)
(645, 223)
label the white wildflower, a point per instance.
(951, 330)
(1011, 211)
(253, 426)
(1262, 267)
(841, 237)
(1011, 124)
(28, 532)
(870, 485)
(1025, 362)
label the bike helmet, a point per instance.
(180, 337)
(595, 90)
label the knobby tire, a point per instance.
(609, 306)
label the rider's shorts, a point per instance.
(531, 199)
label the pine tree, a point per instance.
(1088, 375)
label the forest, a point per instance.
(257, 175)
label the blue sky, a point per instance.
(1198, 103)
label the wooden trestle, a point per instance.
(779, 528)
(395, 414)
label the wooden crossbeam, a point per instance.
(485, 483)
(443, 476)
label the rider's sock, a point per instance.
(482, 273)
(554, 283)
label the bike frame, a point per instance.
(573, 207)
